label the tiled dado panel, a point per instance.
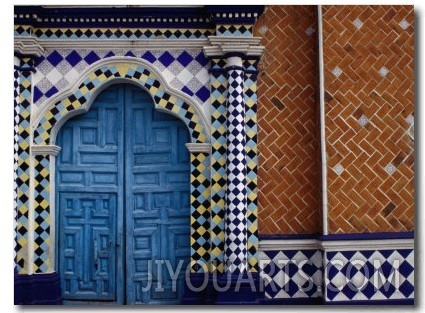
(339, 271)
(369, 275)
(291, 274)
(289, 189)
(369, 75)
(185, 70)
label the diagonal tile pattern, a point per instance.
(367, 107)
(186, 70)
(288, 165)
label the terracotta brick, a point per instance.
(287, 122)
(289, 162)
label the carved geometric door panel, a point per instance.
(123, 196)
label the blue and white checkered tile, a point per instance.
(185, 70)
(370, 275)
(236, 241)
(291, 274)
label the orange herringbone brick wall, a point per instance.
(289, 182)
(369, 75)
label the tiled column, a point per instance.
(200, 215)
(22, 111)
(236, 241)
(44, 218)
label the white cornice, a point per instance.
(199, 147)
(28, 45)
(336, 245)
(45, 149)
(221, 45)
(127, 44)
(289, 244)
(358, 245)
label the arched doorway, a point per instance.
(123, 201)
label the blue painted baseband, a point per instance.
(373, 302)
(292, 301)
(39, 289)
(224, 289)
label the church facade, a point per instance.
(214, 155)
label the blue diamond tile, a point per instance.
(91, 58)
(332, 291)
(290, 254)
(203, 93)
(368, 290)
(404, 252)
(73, 58)
(184, 58)
(387, 289)
(166, 59)
(406, 288)
(201, 59)
(37, 94)
(271, 254)
(129, 54)
(148, 56)
(110, 54)
(405, 269)
(187, 90)
(349, 290)
(51, 92)
(54, 58)
(39, 60)
(291, 288)
(386, 269)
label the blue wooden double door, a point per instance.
(122, 182)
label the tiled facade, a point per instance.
(289, 180)
(369, 74)
(246, 83)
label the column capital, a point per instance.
(45, 149)
(224, 46)
(27, 46)
(194, 147)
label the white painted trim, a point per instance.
(127, 44)
(45, 149)
(335, 245)
(222, 45)
(356, 245)
(234, 61)
(28, 45)
(52, 190)
(199, 147)
(289, 244)
(322, 123)
(117, 60)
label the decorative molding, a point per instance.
(361, 245)
(45, 149)
(28, 46)
(291, 244)
(220, 46)
(199, 147)
(126, 44)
